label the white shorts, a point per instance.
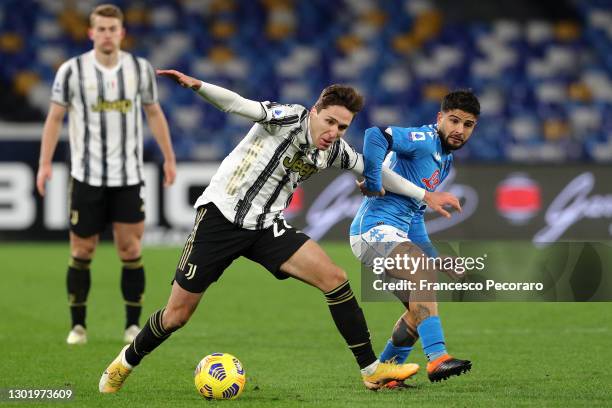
(377, 242)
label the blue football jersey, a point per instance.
(417, 155)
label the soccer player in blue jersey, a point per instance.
(389, 224)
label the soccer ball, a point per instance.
(219, 376)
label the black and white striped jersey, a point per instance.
(256, 180)
(104, 115)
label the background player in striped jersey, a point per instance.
(390, 225)
(104, 91)
(240, 214)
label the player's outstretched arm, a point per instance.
(50, 136)
(391, 181)
(221, 98)
(183, 80)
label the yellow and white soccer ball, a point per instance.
(219, 376)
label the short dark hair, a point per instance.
(106, 10)
(341, 95)
(462, 99)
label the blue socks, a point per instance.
(398, 354)
(432, 338)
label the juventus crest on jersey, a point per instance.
(257, 179)
(105, 120)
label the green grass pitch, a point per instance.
(524, 354)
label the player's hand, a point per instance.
(368, 193)
(183, 80)
(44, 174)
(437, 200)
(169, 172)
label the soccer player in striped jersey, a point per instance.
(240, 214)
(104, 91)
(393, 225)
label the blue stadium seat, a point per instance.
(525, 72)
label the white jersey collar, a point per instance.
(106, 69)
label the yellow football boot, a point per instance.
(115, 374)
(386, 372)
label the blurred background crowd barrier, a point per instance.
(542, 70)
